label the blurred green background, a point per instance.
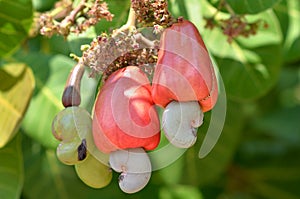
(257, 155)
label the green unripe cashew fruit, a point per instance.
(93, 172)
(71, 153)
(71, 122)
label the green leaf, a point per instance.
(172, 173)
(264, 36)
(57, 45)
(186, 9)
(276, 125)
(267, 155)
(15, 22)
(11, 169)
(206, 170)
(75, 41)
(42, 5)
(51, 74)
(180, 192)
(281, 11)
(292, 44)
(43, 172)
(251, 6)
(16, 87)
(249, 66)
(179, 8)
(120, 9)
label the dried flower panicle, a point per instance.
(234, 26)
(107, 54)
(152, 12)
(238, 26)
(97, 12)
(48, 28)
(211, 23)
(144, 58)
(63, 19)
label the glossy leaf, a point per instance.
(275, 125)
(42, 5)
(51, 74)
(186, 9)
(11, 169)
(180, 192)
(267, 156)
(57, 45)
(178, 8)
(249, 66)
(120, 9)
(75, 41)
(42, 164)
(208, 169)
(281, 11)
(292, 44)
(15, 22)
(247, 71)
(257, 155)
(16, 87)
(251, 6)
(172, 173)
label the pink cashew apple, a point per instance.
(184, 71)
(124, 113)
(184, 83)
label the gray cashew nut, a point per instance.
(180, 121)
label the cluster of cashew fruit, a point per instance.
(73, 128)
(125, 123)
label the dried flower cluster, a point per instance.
(236, 25)
(152, 12)
(97, 12)
(107, 54)
(63, 19)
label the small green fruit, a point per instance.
(93, 173)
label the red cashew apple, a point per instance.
(124, 113)
(184, 71)
(184, 82)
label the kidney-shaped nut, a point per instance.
(134, 166)
(133, 182)
(180, 121)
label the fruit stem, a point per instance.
(140, 38)
(129, 24)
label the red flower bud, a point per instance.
(184, 71)
(124, 113)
